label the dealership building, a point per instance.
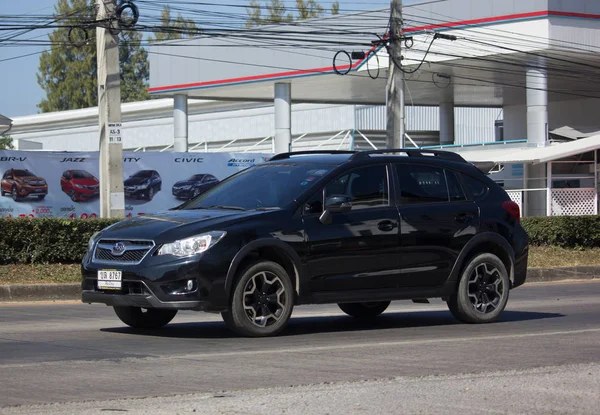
(511, 86)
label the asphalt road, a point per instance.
(547, 340)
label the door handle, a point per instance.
(387, 226)
(464, 217)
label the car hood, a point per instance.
(185, 183)
(85, 182)
(172, 225)
(133, 181)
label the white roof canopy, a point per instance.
(500, 154)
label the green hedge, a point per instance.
(52, 240)
(564, 231)
(46, 240)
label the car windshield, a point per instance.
(196, 177)
(20, 173)
(263, 186)
(143, 174)
(81, 174)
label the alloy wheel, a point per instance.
(485, 288)
(264, 299)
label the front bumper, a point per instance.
(159, 282)
(33, 190)
(136, 193)
(183, 194)
(143, 299)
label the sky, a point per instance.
(20, 92)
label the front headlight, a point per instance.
(188, 187)
(93, 239)
(193, 245)
(79, 186)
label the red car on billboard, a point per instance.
(79, 185)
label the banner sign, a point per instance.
(52, 184)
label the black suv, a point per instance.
(355, 228)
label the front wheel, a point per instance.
(482, 292)
(144, 318)
(262, 301)
(364, 310)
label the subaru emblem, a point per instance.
(118, 249)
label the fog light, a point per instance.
(190, 285)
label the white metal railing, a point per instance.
(573, 202)
(563, 202)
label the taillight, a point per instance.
(513, 209)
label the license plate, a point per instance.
(109, 279)
(39, 190)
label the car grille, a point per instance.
(134, 252)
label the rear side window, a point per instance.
(476, 189)
(422, 184)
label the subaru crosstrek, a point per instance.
(357, 229)
(21, 183)
(79, 185)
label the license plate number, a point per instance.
(109, 279)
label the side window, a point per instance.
(367, 186)
(421, 184)
(454, 188)
(477, 190)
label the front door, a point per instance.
(359, 249)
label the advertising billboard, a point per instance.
(55, 184)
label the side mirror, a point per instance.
(338, 203)
(335, 204)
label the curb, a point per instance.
(49, 292)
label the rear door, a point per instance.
(436, 221)
(359, 249)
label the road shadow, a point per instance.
(306, 325)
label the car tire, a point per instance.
(364, 310)
(2, 192)
(73, 195)
(15, 194)
(262, 301)
(139, 318)
(482, 292)
(150, 193)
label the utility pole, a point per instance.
(395, 85)
(112, 198)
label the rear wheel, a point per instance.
(364, 310)
(482, 292)
(145, 318)
(262, 301)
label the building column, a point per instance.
(283, 118)
(537, 106)
(446, 123)
(537, 135)
(180, 118)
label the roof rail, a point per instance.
(283, 156)
(411, 152)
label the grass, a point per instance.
(551, 257)
(539, 257)
(40, 274)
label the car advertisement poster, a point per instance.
(54, 184)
